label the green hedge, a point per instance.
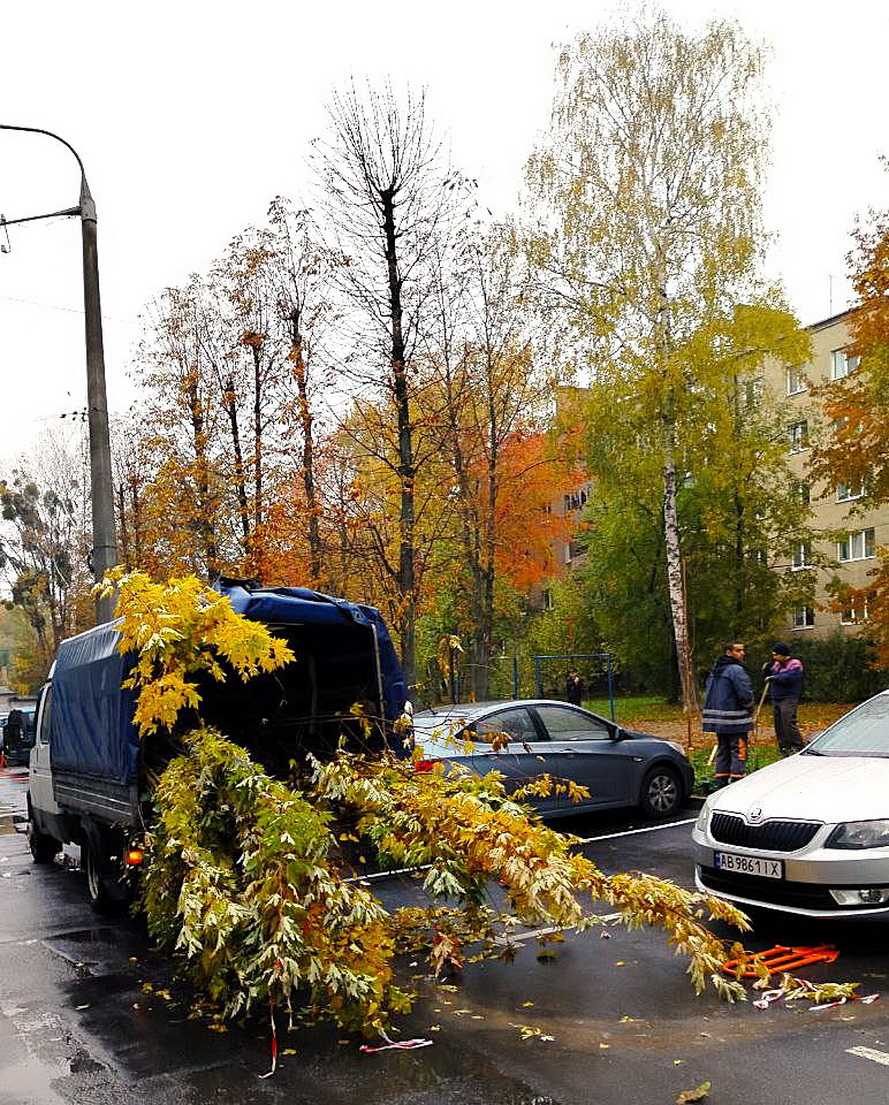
(838, 668)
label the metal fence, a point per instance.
(540, 676)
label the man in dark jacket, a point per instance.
(785, 676)
(574, 688)
(728, 712)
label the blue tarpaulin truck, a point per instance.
(87, 782)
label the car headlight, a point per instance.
(703, 818)
(677, 747)
(859, 834)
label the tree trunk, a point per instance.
(137, 524)
(406, 465)
(231, 409)
(675, 579)
(256, 349)
(122, 525)
(202, 475)
(487, 625)
(308, 448)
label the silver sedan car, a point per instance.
(809, 834)
(525, 738)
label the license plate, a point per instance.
(749, 865)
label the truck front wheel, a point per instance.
(43, 848)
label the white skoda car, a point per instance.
(809, 834)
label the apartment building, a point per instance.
(832, 506)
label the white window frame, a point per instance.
(850, 616)
(800, 558)
(795, 381)
(846, 493)
(803, 443)
(839, 357)
(857, 535)
(807, 619)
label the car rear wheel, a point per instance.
(661, 792)
(104, 897)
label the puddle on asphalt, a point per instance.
(101, 935)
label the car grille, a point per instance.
(773, 836)
(796, 895)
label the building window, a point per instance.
(752, 392)
(547, 508)
(803, 617)
(855, 613)
(842, 364)
(548, 603)
(846, 492)
(796, 382)
(568, 557)
(802, 556)
(803, 491)
(859, 545)
(799, 436)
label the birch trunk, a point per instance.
(675, 579)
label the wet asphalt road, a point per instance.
(77, 1027)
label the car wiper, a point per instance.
(812, 752)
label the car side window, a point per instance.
(46, 707)
(563, 724)
(517, 723)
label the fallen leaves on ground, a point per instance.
(697, 1094)
(531, 1032)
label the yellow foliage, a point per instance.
(177, 629)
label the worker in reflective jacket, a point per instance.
(728, 712)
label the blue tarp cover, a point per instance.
(91, 728)
(300, 606)
(91, 720)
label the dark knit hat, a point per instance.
(780, 648)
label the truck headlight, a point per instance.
(859, 834)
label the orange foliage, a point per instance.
(530, 477)
(856, 451)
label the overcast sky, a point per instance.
(190, 116)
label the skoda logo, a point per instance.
(756, 813)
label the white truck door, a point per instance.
(40, 782)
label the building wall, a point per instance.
(828, 512)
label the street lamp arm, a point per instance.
(87, 206)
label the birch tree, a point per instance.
(649, 186)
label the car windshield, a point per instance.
(864, 732)
(429, 726)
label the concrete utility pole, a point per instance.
(104, 552)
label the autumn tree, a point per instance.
(649, 228)
(854, 447)
(310, 313)
(45, 542)
(179, 422)
(387, 196)
(493, 399)
(738, 507)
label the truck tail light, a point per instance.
(425, 765)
